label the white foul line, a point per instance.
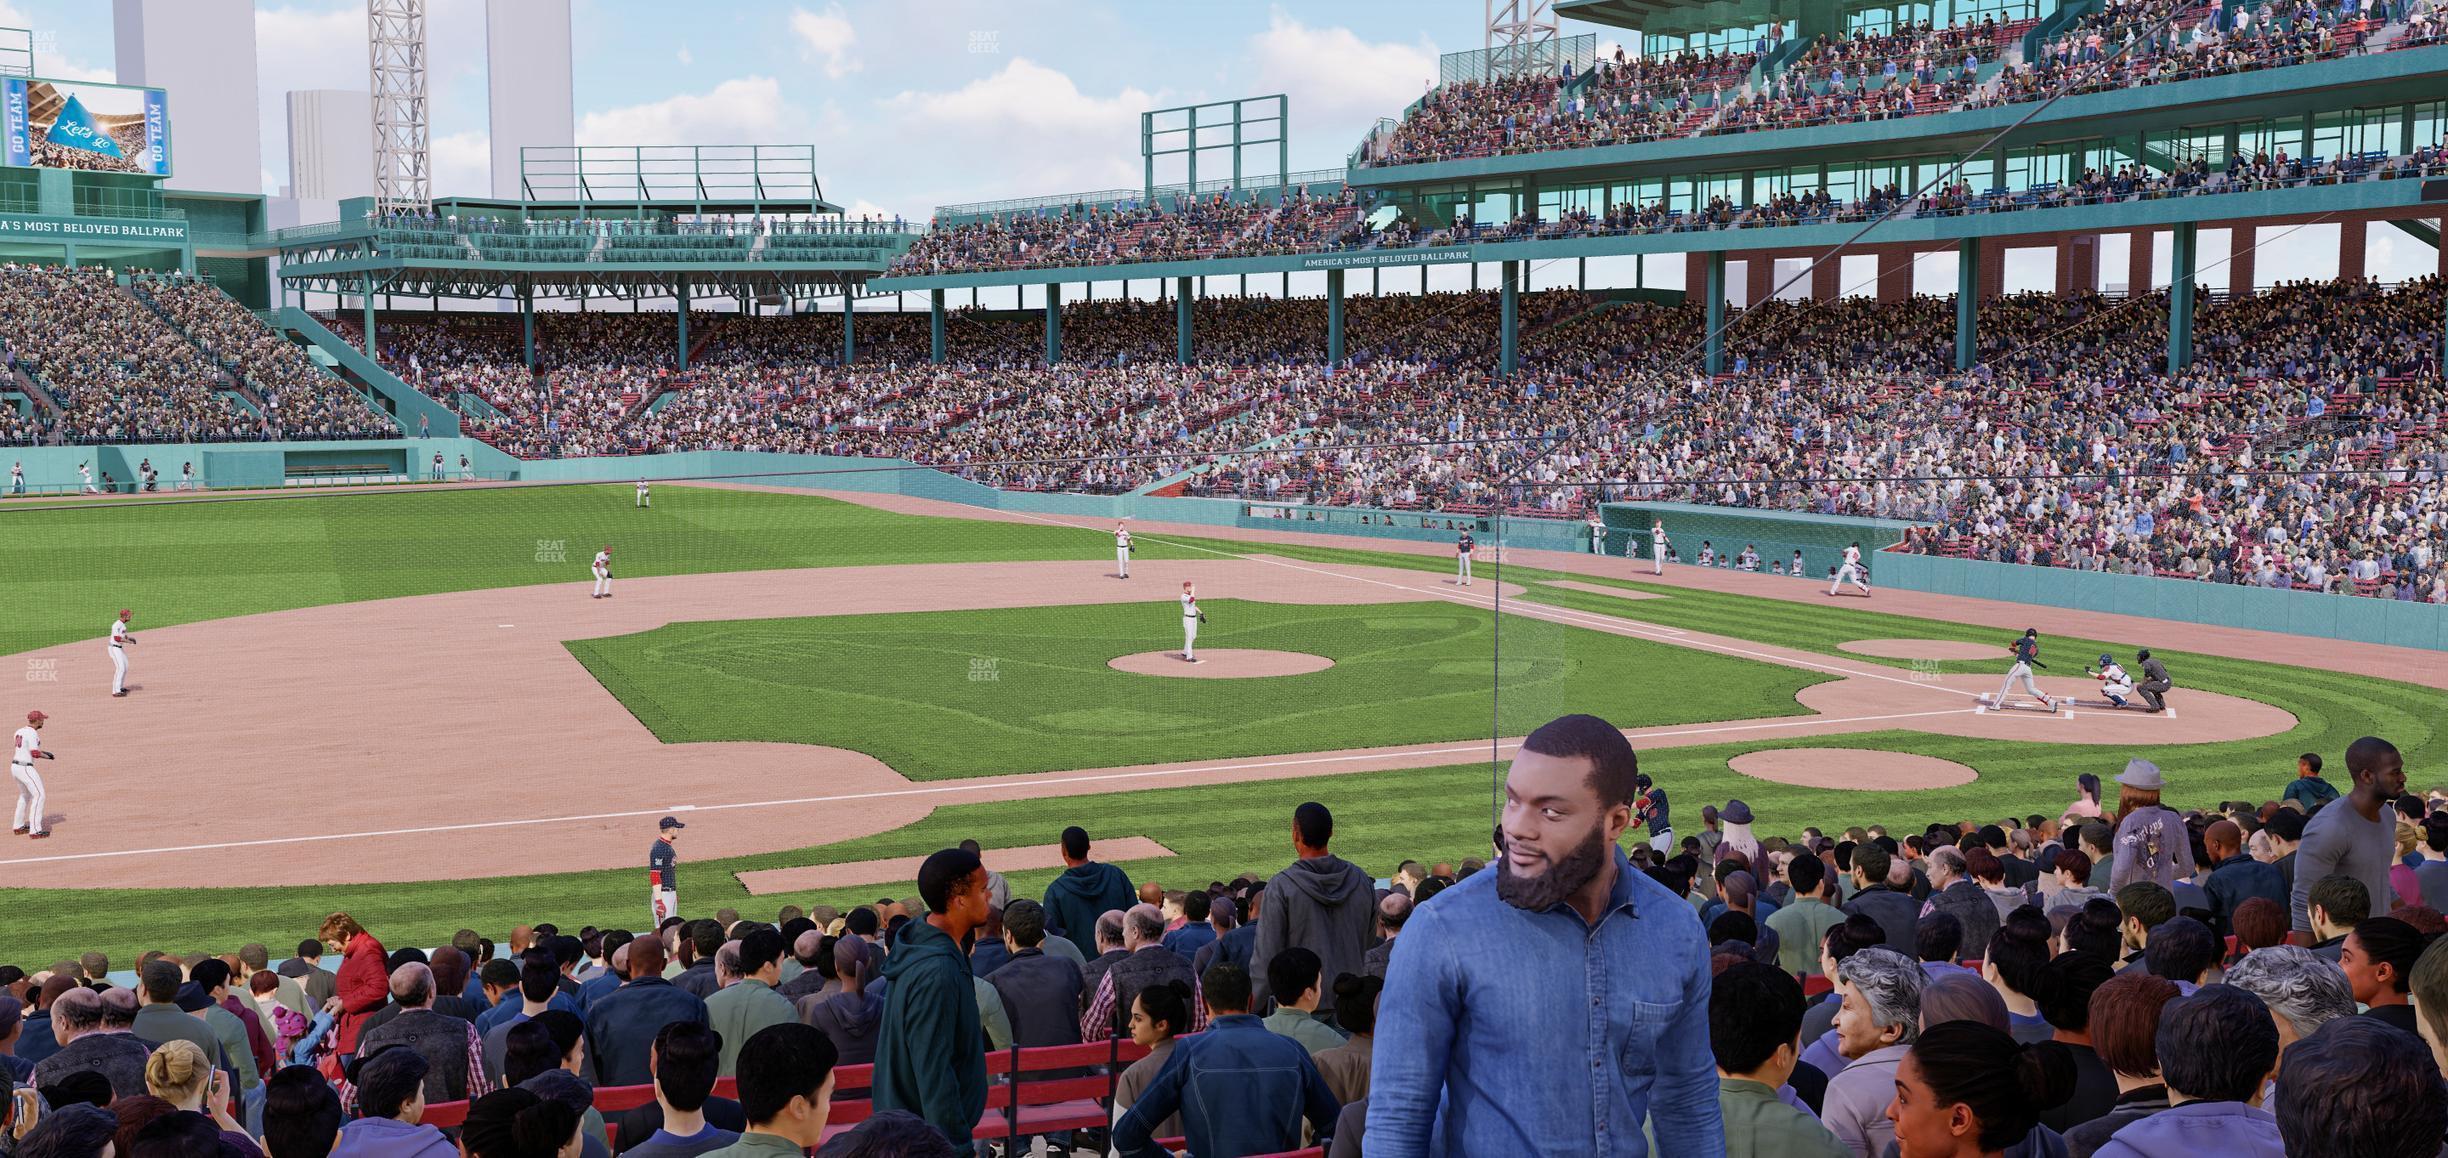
(1473, 748)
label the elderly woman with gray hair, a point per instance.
(1876, 1023)
(2303, 990)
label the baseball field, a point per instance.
(404, 705)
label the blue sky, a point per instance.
(914, 105)
(908, 105)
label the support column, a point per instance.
(1894, 276)
(1334, 317)
(935, 326)
(1760, 279)
(369, 316)
(1970, 271)
(2242, 248)
(2351, 238)
(2138, 262)
(1695, 272)
(1712, 287)
(1826, 281)
(1053, 322)
(1183, 351)
(2077, 264)
(1993, 267)
(849, 326)
(681, 313)
(527, 326)
(1509, 316)
(2180, 296)
(1583, 275)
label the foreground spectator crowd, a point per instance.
(2123, 979)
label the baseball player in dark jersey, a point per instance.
(663, 870)
(1462, 558)
(2026, 657)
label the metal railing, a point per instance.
(1103, 197)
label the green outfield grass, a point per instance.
(68, 571)
(1218, 831)
(905, 688)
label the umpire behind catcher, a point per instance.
(2155, 682)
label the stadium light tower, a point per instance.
(1521, 35)
(403, 174)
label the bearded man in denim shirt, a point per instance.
(1553, 1005)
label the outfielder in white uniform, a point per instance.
(1462, 558)
(603, 574)
(22, 755)
(120, 641)
(1657, 546)
(643, 499)
(1597, 535)
(1191, 618)
(1850, 571)
(1122, 550)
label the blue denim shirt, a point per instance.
(1502, 1031)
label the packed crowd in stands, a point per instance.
(2141, 975)
(298, 399)
(117, 371)
(1218, 225)
(2126, 43)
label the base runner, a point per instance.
(1850, 570)
(1462, 558)
(1122, 550)
(120, 641)
(30, 801)
(2026, 657)
(603, 573)
(1191, 618)
(663, 870)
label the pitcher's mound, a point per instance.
(1862, 768)
(1922, 649)
(1222, 663)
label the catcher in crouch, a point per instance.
(2114, 683)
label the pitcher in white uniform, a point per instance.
(28, 749)
(1850, 571)
(1191, 618)
(1657, 546)
(603, 574)
(120, 641)
(1122, 550)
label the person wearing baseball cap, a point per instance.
(603, 577)
(120, 641)
(663, 870)
(26, 750)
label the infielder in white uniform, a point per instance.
(643, 499)
(1191, 618)
(22, 756)
(120, 641)
(1850, 569)
(1122, 550)
(1657, 546)
(603, 574)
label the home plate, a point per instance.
(1989, 703)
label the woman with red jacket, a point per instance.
(364, 982)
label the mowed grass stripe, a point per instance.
(977, 693)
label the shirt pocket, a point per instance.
(1639, 1029)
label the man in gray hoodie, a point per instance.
(1321, 903)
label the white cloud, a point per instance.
(461, 164)
(1334, 77)
(747, 110)
(48, 60)
(826, 36)
(686, 58)
(1029, 126)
